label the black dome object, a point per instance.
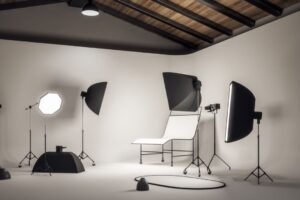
(4, 175)
(142, 185)
(94, 96)
(59, 162)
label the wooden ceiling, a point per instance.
(194, 24)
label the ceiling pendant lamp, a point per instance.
(90, 9)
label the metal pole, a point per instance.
(258, 169)
(214, 133)
(45, 137)
(82, 125)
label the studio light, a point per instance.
(213, 108)
(4, 175)
(90, 9)
(50, 103)
(93, 99)
(30, 155)
(240, 118)
(184, 94)
(183, 91)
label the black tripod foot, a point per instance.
(84, 155)
(258, 172)
(197, 162)
(30, 156)
(217, 156)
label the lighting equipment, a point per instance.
(60, 162)
(93, 99)
(240, 118)
(142, 185)
(4, 175)
(90, 9)
(183, 93)
(178, 182)
(30, 155)
(49, 104)
(213, 108)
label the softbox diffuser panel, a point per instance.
(95, 95)
(182, 91)
(240, 114)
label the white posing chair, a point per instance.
(179, 127)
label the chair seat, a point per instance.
(158, 141)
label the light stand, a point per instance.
(49, 104)
(4, 175)
(215, 155)
(83, 155)
(258, 169)
(46, 167)
(197, 161)
(30, 155)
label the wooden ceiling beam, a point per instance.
(267, 7)
(211, 24)
(165, 20)
(28, 3)
(229, 12)
(145, 26)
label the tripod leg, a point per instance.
(191, 163)
(171, 153)
(141, 154)
(252, 173)
(265, 173)
(93, 162)
(84, 155)
(211, 160)
(162, 154)
(223, 161)
(20, 163)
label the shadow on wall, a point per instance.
(206, 137)
(71, 97)
(274, 113)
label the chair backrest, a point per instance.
(181, 127)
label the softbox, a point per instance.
(183, 91)
(94, 96)
(240, 114)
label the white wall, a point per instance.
(134, 104)
(266, 60)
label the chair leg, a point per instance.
(141, 154)
(171, 153)
(193, 150)
(162, 153)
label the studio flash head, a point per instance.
(212, 107)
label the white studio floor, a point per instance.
(115, 181)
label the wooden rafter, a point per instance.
(267, 7)
(165, 20)
(229, 12)
(145, 26)
(211, 24)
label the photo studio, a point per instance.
(149, 99)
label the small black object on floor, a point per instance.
(142, 185)
(59, 162)
(4, 175)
